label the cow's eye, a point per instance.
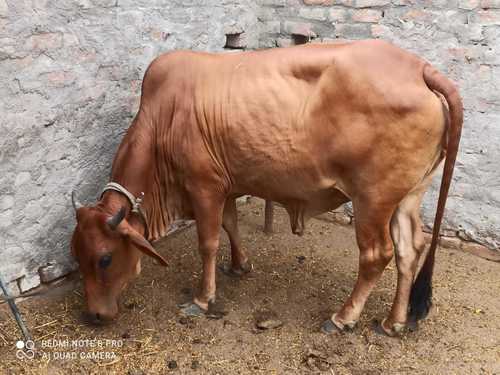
(105, 261)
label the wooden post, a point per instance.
(269, 217)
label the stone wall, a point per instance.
(71, 73)
(461, 38)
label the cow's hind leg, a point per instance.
(239, 260)
(208, 210)
(409, 242)
(375, 251)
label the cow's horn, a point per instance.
(74, 200)
(114, 221)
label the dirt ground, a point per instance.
(297, 281)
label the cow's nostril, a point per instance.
(97, 316)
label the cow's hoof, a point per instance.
(191, 309)
(329, 327)
(333, 325)
(381, 328)
(236, 273)
(215, 311)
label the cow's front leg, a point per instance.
(239, 260)
(208, 214)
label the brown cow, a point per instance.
(311, 127)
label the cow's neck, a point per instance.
(133, 169)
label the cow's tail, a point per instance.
(421, 292)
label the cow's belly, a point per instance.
(303, 192)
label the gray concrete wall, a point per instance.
(71, 73)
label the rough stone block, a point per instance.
(267, 14)
(28, 281)
(6, 202)
(468, 4)
(84, 4)
(6, 218)
(337, 15)
(450, 242)
(298, 28)
(284, 42)
(313, 13)
(492, 57)
(330, 2)
(335, 40)
(492, 35)
(319, 2)
(267, 42)
(418, 15)
(352, 31)
(45, 41)
(105, 3)
(341, 218)
(52, 271)
(61, 78)
(471, 33)
(404, 2)
(381, 31)
(486, 17)
(270, 27)
(4, 9)
(70, 39)
(371, 3)
(367, 15)
(22, 178)
(481, 251)
(490, 4)
(276, 3)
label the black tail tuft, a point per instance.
(421, 296)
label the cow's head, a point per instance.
(108, 250)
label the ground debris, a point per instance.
(267, 319)
(318, 360)
(172, 365)
(269, 324)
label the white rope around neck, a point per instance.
(135, 202)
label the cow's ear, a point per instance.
(143, 245)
